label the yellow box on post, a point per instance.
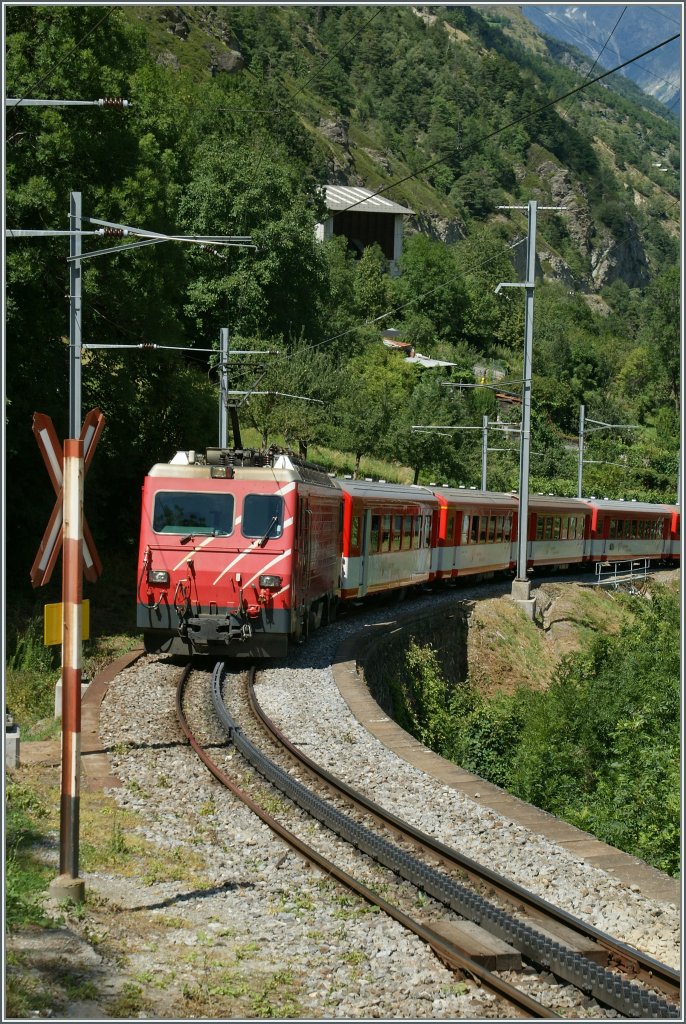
(52, 623)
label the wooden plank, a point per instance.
(569, 939)
(478, 944)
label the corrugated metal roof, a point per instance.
(340, 197)
(419, 360)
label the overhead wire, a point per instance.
(600, 53)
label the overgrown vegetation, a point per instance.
(25, 877)
(599, 747)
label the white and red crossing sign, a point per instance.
(51, 450)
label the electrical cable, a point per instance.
(605, 44)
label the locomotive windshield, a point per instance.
(193, 512)
(262, 516)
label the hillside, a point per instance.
(450, 84)
(238, 114)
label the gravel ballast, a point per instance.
(342, 960)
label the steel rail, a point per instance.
(448, 953)
(619, 993)
(649, 969)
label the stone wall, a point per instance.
(383, 656)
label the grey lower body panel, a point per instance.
(224, 633)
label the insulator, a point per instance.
(115, 232)
(113, 101)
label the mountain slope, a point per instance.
(439, 105)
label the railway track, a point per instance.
(538, 912)
(530, 929)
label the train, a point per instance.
(243, 552)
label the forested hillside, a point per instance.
(238, 114)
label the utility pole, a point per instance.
(67, 526)
(521, 586)
(580, 472)
(223, 383)
(484, 453)
(74, 314)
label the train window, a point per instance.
(641, 528)
(548, 528)
(613, 529)
(564, 531)
(397, 531)
(499, 529)
(465, 528)
(407, 533)
(475, 530)
(262, 516)
(507, 527)
(374, 534)
(355, 532)
(450, 526)
(556, 528)
(540, 523)
(660, 528)
(634, 529)
(193, 512)
(386, 533)
(483, 529)
(416, 532)
(427, 531)
(571, 532)
(491, 529)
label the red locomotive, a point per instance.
(244, 551)
(240, 551)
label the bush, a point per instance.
(600, 748)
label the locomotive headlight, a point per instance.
(270, 582)
(158, 576)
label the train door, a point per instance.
(301, 569)
(364, 551)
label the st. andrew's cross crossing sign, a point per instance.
(51, 450)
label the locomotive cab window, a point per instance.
(193, 512)
(262, 516)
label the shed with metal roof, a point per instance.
(364, 218)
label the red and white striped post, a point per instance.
(68, 885)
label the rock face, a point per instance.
(608, 258)
(228, 63)
(341, 165)
(441, 229)
(623, 260)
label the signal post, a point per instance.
(68, 529)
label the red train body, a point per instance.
(242, 552)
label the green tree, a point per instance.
(376, 387)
